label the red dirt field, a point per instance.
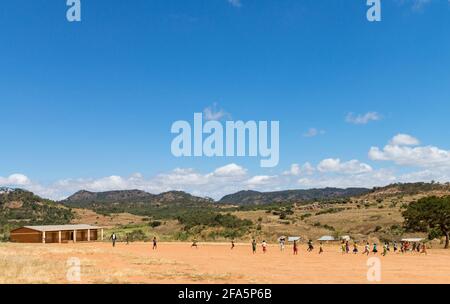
(211, 263)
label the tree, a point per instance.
(429, 214)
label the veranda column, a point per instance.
(74, 236)
(89, 235)
(59, 236)
(43, 237)
(101, 233)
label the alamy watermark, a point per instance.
(73, 270)
(73, 13)
(374, 12)
(235, 138)
(374, 270)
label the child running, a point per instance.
(355, 248)
(264, 247)
(232, 244)
(320, 248)
(385, 249)
(367, 249)
(343, 247)
(424, 249)
(194, 244)
(155, 244)
(310, 246)
(375, 249)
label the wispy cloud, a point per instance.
(215, 113)
(235, 3)
(362, 119)
(313, 132)
(418, 5)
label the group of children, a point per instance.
(345, 247)
(114, 239)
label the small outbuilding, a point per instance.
(327, 238)
(413, 240)
(56, 234)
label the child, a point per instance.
(113, 239)
(295, 248)
(395, 247)
(282, 244)
(347, 247)
(310, 246)
(321, 248)
(343, 247)
(375, 249)
(194, 244)
(264, 247)
(254, 246)
(355, 248)
(385, 249)
(424, 249)
(232, 244)
(367, 249)
(155, 245)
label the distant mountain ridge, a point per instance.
(261, 198)
(22, 207)
(86, 198)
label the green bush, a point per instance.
(155, 224)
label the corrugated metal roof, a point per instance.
(61, 227)
(327, 238)
(413, 240)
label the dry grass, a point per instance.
(211, 263)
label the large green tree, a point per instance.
(429, 214)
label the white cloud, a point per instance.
(312, 132)
(362, 119)
(374, 178)
(401, 153)
(297, 170)
(230, 170)
(214, 113)
(15, 180)
(349, 167)
(404, 140)
(261, 180)
(235, 3)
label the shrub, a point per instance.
(155, 224)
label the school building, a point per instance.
(56, 234)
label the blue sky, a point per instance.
(89, 105)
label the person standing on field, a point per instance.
(113, 238)
(155, 243)
(254, 246)
(264, 247)
(295, 248)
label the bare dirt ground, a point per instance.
(210, 263)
